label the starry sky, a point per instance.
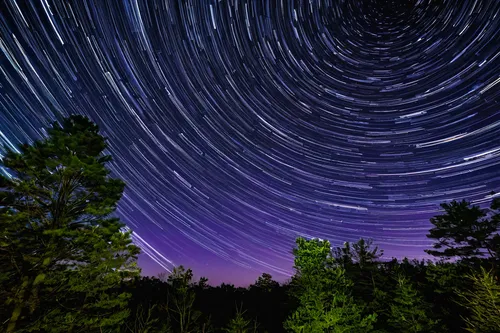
(239, 125)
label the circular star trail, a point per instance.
(239, 125)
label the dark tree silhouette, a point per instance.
(465, 231)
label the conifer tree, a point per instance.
(63, 256)
(483, 301)
(240, 324)
(265, 283)
(323, 292)
(466, 231)
(441, 282)
(181, 314)
(408, 311)
(360, 263)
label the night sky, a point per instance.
(239, 125)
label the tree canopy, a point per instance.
(466, 231)
(61, 249)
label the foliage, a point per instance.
(265, 283)
(360, 260)
(408, 311)
(342, 290)
(240, 324)
(62, 254)
(465, 231)
(325, 303)
(181, 315)
(439, 285)
(143, 322)
(364, 254)
(483, 300)
(68, 265)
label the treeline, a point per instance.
(68, 265)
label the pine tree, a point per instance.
(323, 291)
(265, 283)
(360, 262)
(181, 313)
(466, 231)
(240, 324)
(63, 256)
(408, 311)
(365, 254)
(441, 282)
(483, 301)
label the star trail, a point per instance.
(239, 125)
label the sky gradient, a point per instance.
(239, 125)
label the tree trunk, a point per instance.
(18, 308)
